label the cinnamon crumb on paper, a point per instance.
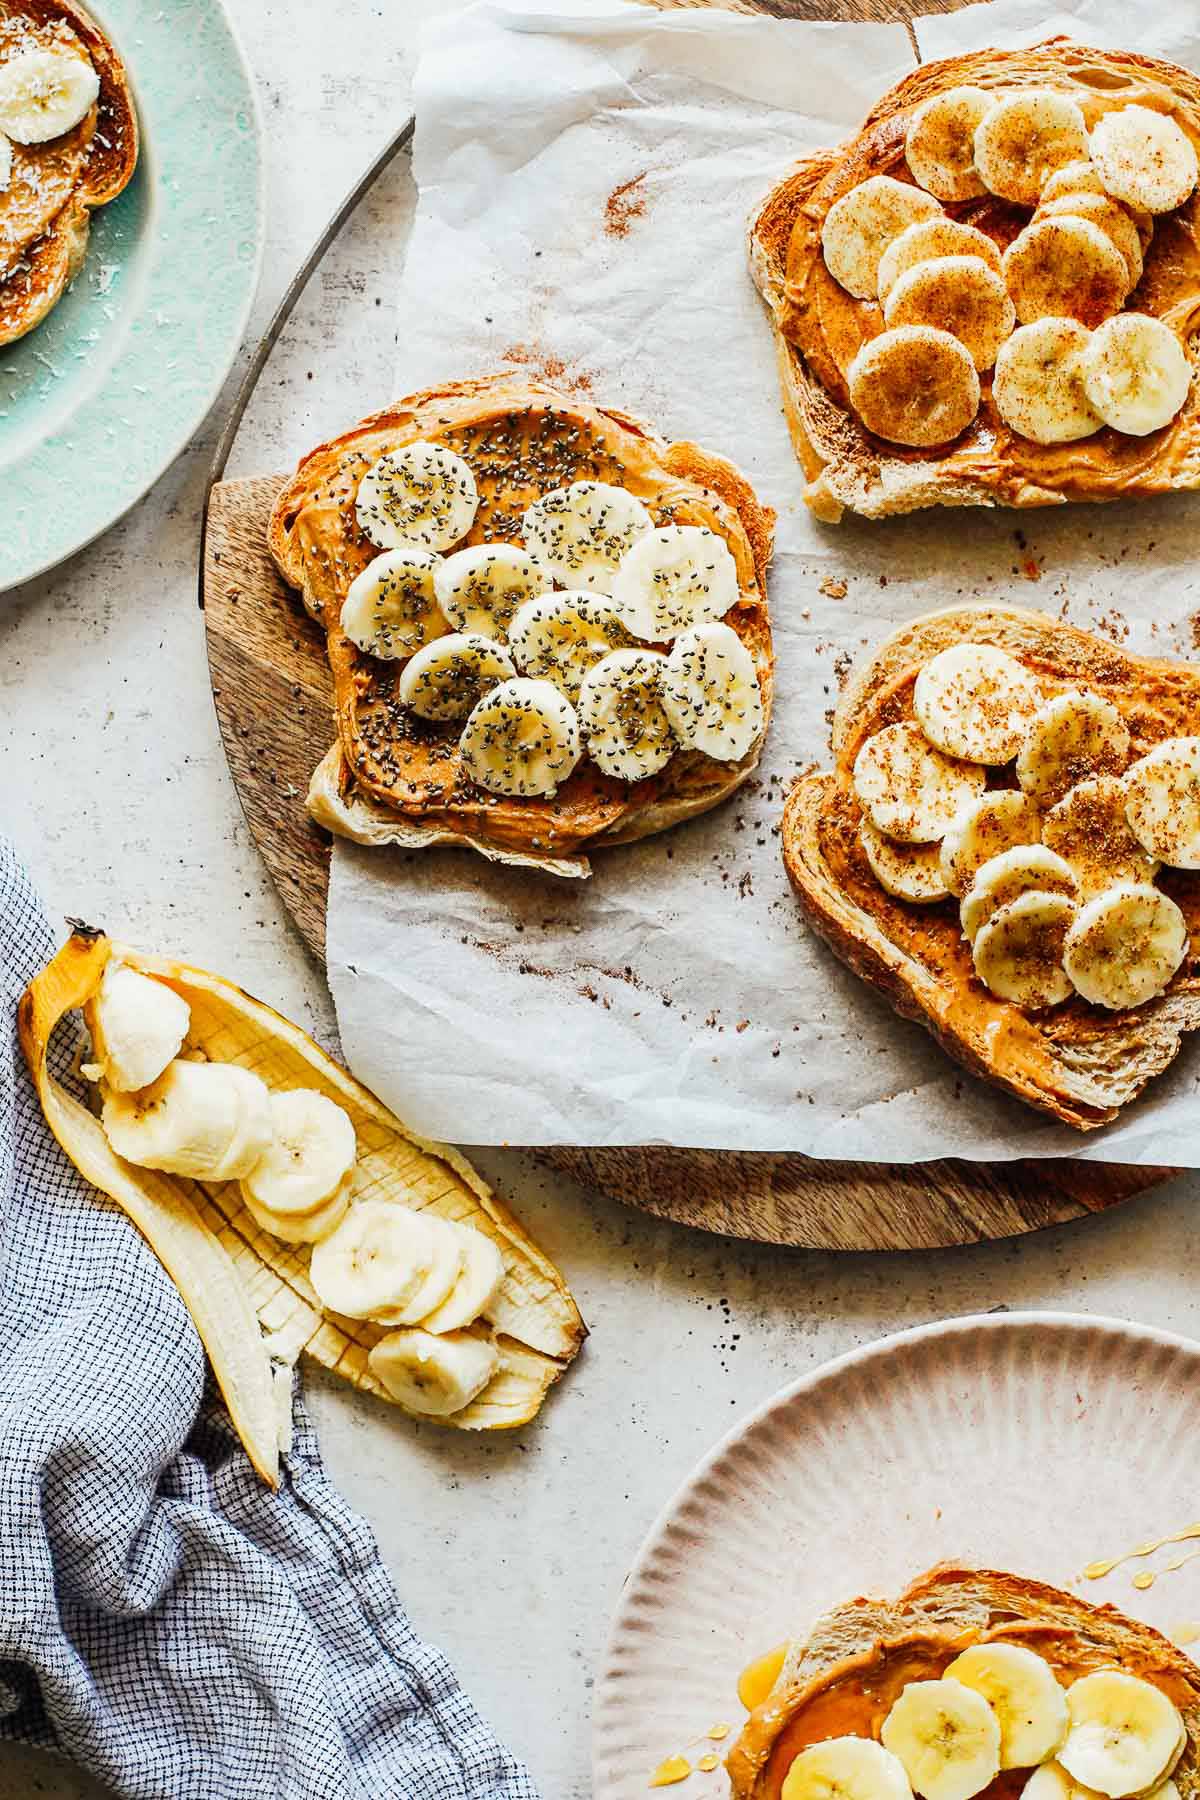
(625, 204)
(548, 367)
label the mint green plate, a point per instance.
(98, 399)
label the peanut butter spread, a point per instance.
(828, 326)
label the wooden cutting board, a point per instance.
(273, 699)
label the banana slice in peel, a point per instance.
(45, 92)
(621, 711)
(480, 588)
(1038, 384)
(939, 145)
(1162, 801)
(859, 227)
(1022, 1690)
(675, 577)
(929, 238)
(1088, 829)
(434, 1376)
(915, 385)
(1124, 1734)
(1019, 952)
(580, 533)
(560, 636)
(947, 1738)
(310, 1155)
(386, 1263)
(137, 1027)
(910, 790)
(974, 701)
(391, 607)
(1066, 268)
(448, 678)
(1026, 868)
(208, 1120)
(521, 738)
(1143, 158)
(1136, 373)
(983, 830)
(1024, 138)
(1072, 737)
(475, 1287)
(1124, 946)
(846, 1768)
(225, 1267)
(420, 494)
(907, 871)
(958, 294)
(711, 693)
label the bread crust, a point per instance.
(412, 790)
(1077, 1062)
(844, 465)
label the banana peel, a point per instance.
(228, 1269)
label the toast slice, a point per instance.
(400, 779)
(1078, 1062)
(818, 327)
(857, 1658)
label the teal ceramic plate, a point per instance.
(98, 399)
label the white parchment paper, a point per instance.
(676, 996)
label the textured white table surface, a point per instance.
(509, 1554)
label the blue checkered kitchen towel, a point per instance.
(164, 1618)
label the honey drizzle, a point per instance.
(1148, 1577)
(1095, 1570)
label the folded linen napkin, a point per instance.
(164, 1618)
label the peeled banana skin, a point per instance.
(228, 1270)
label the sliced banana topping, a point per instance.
(560, 637)
(908, 871)
(381, 1260)
(310, 1156)
(1136, 373)
(859, 227)
(846, 1768)
(1025, 869)
(947, 1738)
(910, 790)
(1088, 829)
(711, 692)
(1080, 177)
(1162, 801)
(447, 678)
(1124, 1733)
(961, 295)
(45, 92)
(580, 533)
(1051, 1782)
(983, 830)
(1065, 268)
(675, 577)
(930, 238)
(209, 1120)
(475, 1288)
(974, 701)
(480, 588)
(1038, 385)
(1122, 950)
(1018, 953)
(137, 1026)
(1143, 157)
(939, 145)
(621, 711)
(419, 494)
(914, 384)
(391, 606)
(1073, 737)
(1112, 218)
(1022, 1690)
(522, 738)
(1024, 138)
(434, 1376)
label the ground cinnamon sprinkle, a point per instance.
(549, 368)
(625, 204)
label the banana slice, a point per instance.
(6, 162)
(910, 790)
(309, 1158)
(1122, 950)
(386, 1262)
(391, 606)
(209, 1120)
(939, 146)
(1162, 801)
(961, 295)
(580, 533)
(1124, 1733)
(1144, 158)
(914, 384)
(846, 1768)
(1112, 218)
(1022, 1690)
(908, 871)
(983, 830)
(1071, 738)
(521, 738)
(1018, 953)
(1065, 268)
(1136, 373)
(1051, 1782)
(1089, 830)
(974, 701)
(1038, 384)
(675, 577)
(1024, 139)
(947, 1737)
(480, 588)
(711, 692)
(303, 1228)
(45, 92)
(1084, 178)
(927, 239)
(1026, 868)
(859, 227)
(137, 1026)
(420, 494)
(625, 724)
(434, 1376)
(475, 1286)
(560, 637)
(448, 677)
